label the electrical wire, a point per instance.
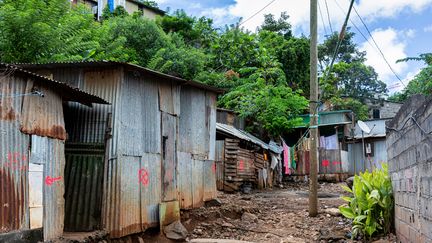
(328, 16)
(341, 37)
(259, 11)
(353, 24)
(379, 49)
(322, 19)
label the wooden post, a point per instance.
(313, 180)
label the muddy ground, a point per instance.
(277, 215)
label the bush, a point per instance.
(371, 207)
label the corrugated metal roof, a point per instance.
(240, 134)
(378, 129)
(129, 66)
(68, 92)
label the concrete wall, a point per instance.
(409, 152)
(387, 109)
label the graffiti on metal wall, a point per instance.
(16, 161)
(143, 177)
(50, 180)
(326, 163)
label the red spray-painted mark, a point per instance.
(50, 180)
(325, 163)
(241, 165)
(214, 167)
(143, 177)
(16, 161)
(336, 162)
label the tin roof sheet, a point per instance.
(67, 92)
(129, 66)
(240, 134)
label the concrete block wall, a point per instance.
(409, 151)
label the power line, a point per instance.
(322, 18)
(341, 37)
(328, 16)
(355, 26)
(379, 49)
(259, 11)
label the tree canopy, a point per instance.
(265, 73)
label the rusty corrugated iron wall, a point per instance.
(39, 115)
(51, 153)
(14, 213)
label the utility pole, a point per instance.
(313, 155)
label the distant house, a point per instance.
(333, 129)
(131, 7)
(133, 164)
(382, 109)
(374, 152)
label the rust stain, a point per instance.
(7, 114)
(11, 203)
(56, 131)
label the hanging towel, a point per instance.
(293, 164)
(286, 154)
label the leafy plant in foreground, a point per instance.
(371, 207)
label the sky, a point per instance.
(401, 28)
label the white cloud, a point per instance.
(428, 28)
(389, 40)
(370, 10)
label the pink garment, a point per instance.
(286, 155)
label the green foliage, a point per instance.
(421, 83)
(37, 31)
(141, 35)
(280, 26)
(196, 32)
(152, 4)
(371, 204)
(264, 95)
(179, 61)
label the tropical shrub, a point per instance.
(371, 204)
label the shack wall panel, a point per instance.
(169, 166)
(193, 130)
(219, 150)
(166, 98)
(145, 110)
(211, 124)
(35, 177)
(184, 178)
(129, 210)
(150, 189)
(111, 204)
(209, 179)
(53, 185)
(14, 214)
(43, 116)
(330, 161)
(197, 183)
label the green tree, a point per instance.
(197, 32)
(280, 26)
(348, 50)
(141, 35)
(264, 96)
(38, 31)
(421, 83)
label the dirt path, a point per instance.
(278, 215)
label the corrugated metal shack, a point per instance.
(241, 158)
(153, 149)
(375, 147)
(334, 129)
(32, 158)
